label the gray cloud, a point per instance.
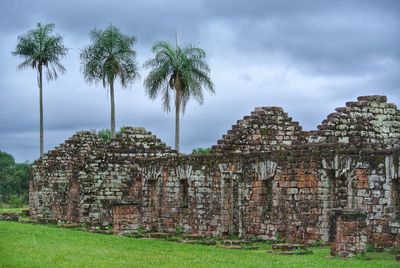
(338, 37)
(306, 56)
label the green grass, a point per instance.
(26, 245)
(13, 210)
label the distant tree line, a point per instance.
(14, 185)
(111, 58)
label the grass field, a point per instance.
(13, 210)
(26, 245)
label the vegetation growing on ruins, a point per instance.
(106, 134)
(109, 57)
(48, 246)
(201, 151)
(42, 50)
(181, 69)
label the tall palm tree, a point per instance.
(179, 69)
(41, 49)
(109, 57)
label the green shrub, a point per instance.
(316, 243)
(201, 151)
(278, 237)
(233, 237)
(108, 227)
(179, 231)
(122, 130)
(140, 231)
(370, 248)
(16, 202)
(104, 134)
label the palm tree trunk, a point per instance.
(112, 109)
(177, 111)
(41, 108)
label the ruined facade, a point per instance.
(266, 177)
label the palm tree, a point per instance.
(40, 49)
(109, 57)
(182, 70)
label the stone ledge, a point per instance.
(9, 217)
(348, 214)
(377, 98)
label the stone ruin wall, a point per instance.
(265, 178)
(96, 169)
(54, 177)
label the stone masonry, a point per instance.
(265, 178)
(348, 230)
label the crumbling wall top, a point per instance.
(83, 145)
(266, 129)
(369, 120)
(77, 146)
(139, 142)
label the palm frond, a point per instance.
(170, 63)
(156, 80)
(41, 47)
(166, 100)
(109, 57)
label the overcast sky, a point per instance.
(308, 57)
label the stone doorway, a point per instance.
(230, 208)
(73, 201)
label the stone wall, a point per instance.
(99, 170)
(51, 175)
(266, 129)
(369, 120)
(265, 178)
(348, 232)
